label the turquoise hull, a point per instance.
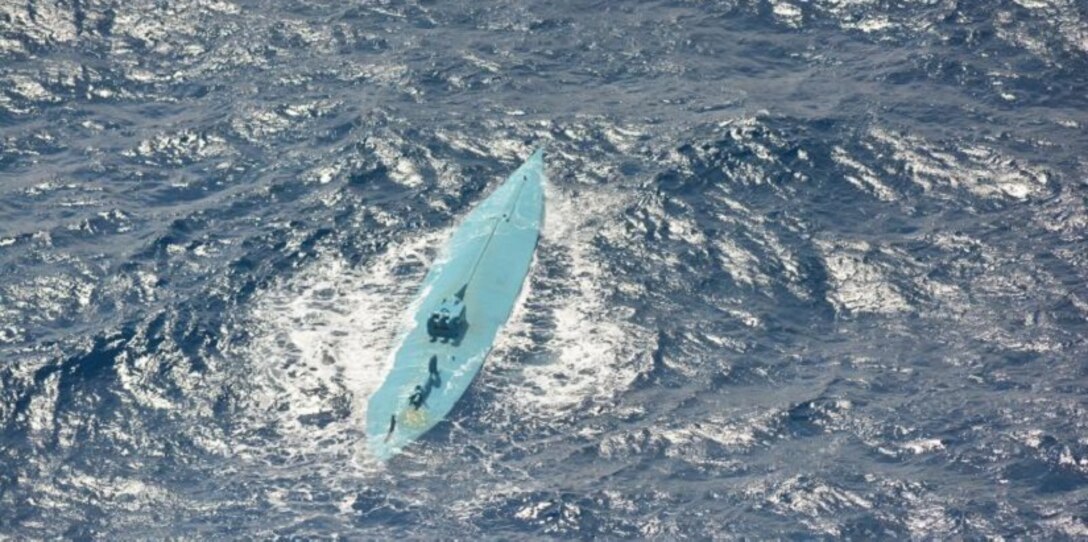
(482, 269)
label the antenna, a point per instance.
(505, 217)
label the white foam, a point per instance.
(787, 13)
(930, 519)
(980, 170)
(866, 179)
(591, 353)
(921, 446)
(858, 285)
(331, 332)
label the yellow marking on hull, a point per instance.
(415, 418)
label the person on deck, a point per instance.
(416, 399)
(433, 380)
(392, 426)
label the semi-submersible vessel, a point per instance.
(467, 295)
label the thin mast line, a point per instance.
(494, 228)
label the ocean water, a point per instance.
(811, 268)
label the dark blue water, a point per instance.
(811, 268)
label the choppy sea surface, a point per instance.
(811, 268)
